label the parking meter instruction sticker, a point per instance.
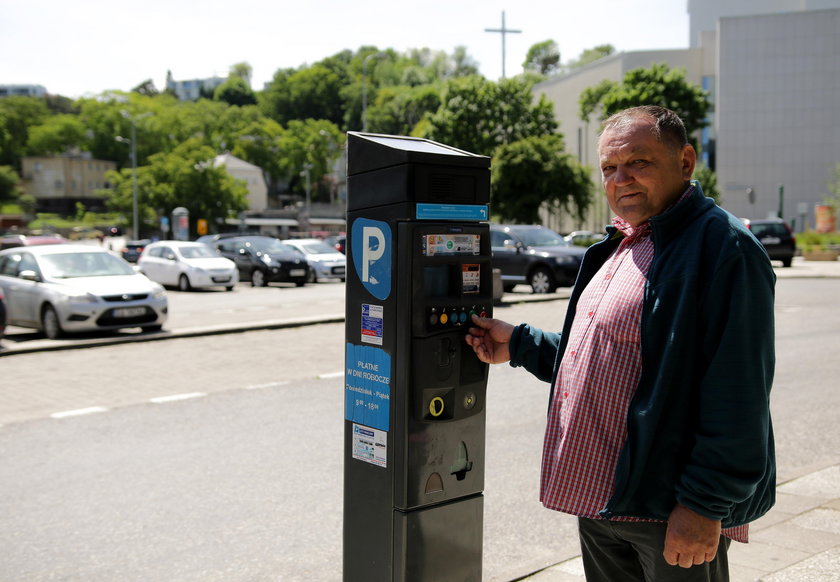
(370, 445)
(367, 386)
(371, 249)
(372, 324)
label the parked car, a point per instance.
(324, 260)
(583, 238)
(264, 259)
(20, 240)
(133, 248)
(534, 255)
(187, 265)
(74, 288)
(776, 236)
(338, 242)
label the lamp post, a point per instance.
(364, 86)
(307, 168)
(133, 144)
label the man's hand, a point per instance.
(490, 339)
(691, 538)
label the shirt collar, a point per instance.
(635, 232)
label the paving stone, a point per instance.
(824, 567)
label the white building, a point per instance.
(772, 68)
(192, 89)
(251, 175)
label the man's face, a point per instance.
(642, 177)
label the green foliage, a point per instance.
(708, 181)
(592, 55)
(543, 58)
(533, 171)
(9, 180)
(478, 115)
(17, 115)
(314, 144)
(56, 135)
(657, 85)
(235, 91)
(310, 93)
(398, 110)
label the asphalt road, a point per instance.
(219, 457)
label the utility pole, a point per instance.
(504, 31)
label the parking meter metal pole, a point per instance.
(418, 254)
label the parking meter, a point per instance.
(418, 250)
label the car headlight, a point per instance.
(82, 298)
(266, 259)
(158, 292)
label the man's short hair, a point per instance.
(667, 126)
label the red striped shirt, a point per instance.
(587, 421)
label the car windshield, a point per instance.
(69, 265)
(270, 246)
(198, 252)
(540, 237)
(316, 248)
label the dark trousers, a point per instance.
(620, 551)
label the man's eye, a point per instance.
(640, 163)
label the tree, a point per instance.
(185, 177)
(397, 110)
(147, 88)
(235, 91)
(478, 115)
(9, 184)
(17, 115)
(56, 135)
(543, 58)
(311, 144)
(531, 172)
(708, 181)
(592, 55)
(657, 85)
(243, 71)
(309, 93)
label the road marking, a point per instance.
(268, 385)
(176, 397)
(78, 412)
(331, 375)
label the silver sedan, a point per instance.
(77, 288)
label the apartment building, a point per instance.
(58, 183)
(772, 70)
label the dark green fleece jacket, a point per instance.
(699, 429)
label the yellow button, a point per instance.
(444, 318)
(436, 406)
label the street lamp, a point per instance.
(133, 143)
(307, 168)
(364, 86)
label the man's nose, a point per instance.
(622, 175)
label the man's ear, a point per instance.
(688, 160)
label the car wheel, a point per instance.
(508, 287)
(300, 283)
(153, 328)
(542, 281)
(787, 262)
(229, 288)
(258, 278)
(184, 283)
(50, 324)
(311, 278)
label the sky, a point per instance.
(85, 47)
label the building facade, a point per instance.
(251, 175)
(772, 72)
(22, 91)
(192, 89)
(58, 183)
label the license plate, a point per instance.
(771, 240)
(129, 311)
(297, 272)
(338, 270)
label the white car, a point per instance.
(187, 265)
(72, 288)
(325, 262)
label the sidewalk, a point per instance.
(797, 541)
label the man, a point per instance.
(658, 434)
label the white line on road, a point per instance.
(268, 385)
(176, 397)
(78, 412)
(331, 375)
